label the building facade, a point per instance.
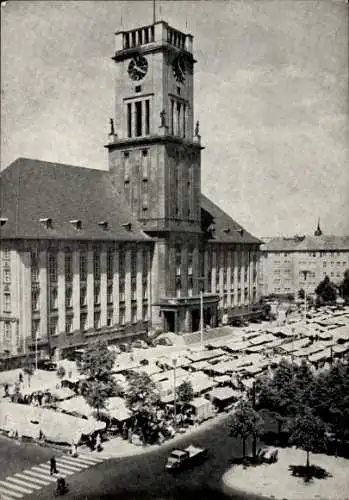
(142, 246)
(291, 264)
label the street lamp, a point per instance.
(174, 363)
(36, 350)
(201, 278)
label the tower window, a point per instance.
(138, 88)
(178, 90)
(147, 117)
(138, 111)
(129, 120)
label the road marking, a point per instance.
(78, 462)
(22, 483)
(4, 491)
(9, 487)
(76, 468)
(46, 468)
(91, 459)
(44, 474)
(32, 479)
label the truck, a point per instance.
(180, 459)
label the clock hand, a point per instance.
(140, 70)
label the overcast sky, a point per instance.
(271, 94)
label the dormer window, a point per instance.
(47, 222)
(104, 225)
(76, 223)
(226, 230)
(3, 221)
(241, 231)
(127, 226)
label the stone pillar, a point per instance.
(139, 278)
(206, 270)
(128, 286)
(184, 270)
(221, 276)
(116, 300)
(149, 284)
(89, 289)
(159, 269)
(188, 321)
(236, 270)
(43, 304)
(214, 270)
(61, 291)
(103, 285)
(197, 284)
(229, 277)
(76, 288)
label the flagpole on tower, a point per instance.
(154, 13)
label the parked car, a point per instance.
(46, 364)
(140, 344)
(124, 347)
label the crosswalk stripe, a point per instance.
(77, 462)
(10, 487)
(90, 459)
(5, 497)
(32, 479)
(4, 491)
(44, 474)
(65, 470)
(65, 463)
(23, 483)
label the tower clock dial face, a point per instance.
(137, 68)
(178, 69)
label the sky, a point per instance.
(271, 95)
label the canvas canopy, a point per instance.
(56, 427)
(223, 393)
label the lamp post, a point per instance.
(201, 278)
(174, 363)
(36, 350)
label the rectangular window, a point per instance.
(134, 314)
(122, 316)
(190, 286)
(122, 291)
(138, 117)
(133, 263)
(145, 163)
(53, 326)
(178, 120)
(184, 119)
(83, 322)
(110, 265)
(83, 297)
(53, 298)
(110, 294)
(96, 265)
(68, 325)
(172, 117)
(68, 267)
(178, 260)
(6, 254)
(178, 286)
(97, 320)
(35, 267)
(190, 261)
(52, 267)
(145, 313)
(68, 297)
(7, 332)
(133, 290)
(35, 300)
(145, 288)
(147, 117)
(122, 265)
(110, 316)
(145, 264)
(97, 295)
(129, 119)
(7, 303)
(83, 266)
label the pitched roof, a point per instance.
(224, 228)
(31, 190)
(306, 243)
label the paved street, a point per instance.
(144, 476)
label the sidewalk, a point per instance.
(118, 447)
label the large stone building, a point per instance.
(301, 262)
(111, 254)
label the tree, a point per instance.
(302, 385)
(28, 369)
(307, 431)
(95, 393)
(97, 363)
(344, 287)
(185, 392)
(276, 393)
(60, 372)
(326, 291)
(245, 422)
(142, 399)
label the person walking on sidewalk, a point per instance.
(74, 450)
(53, 467)
(98, 443)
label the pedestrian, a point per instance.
(98, 443)
(20, 377)
(53, 466)
(74, 450)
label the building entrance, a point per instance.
(170, 321)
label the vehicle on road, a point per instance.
(140, 344)
(185, 458)
(46, 364)
(124, 347)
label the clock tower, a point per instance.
(154, 151)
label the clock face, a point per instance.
(137, 68)
(178, 69)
